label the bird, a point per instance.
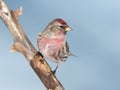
(52, 42)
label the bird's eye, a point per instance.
(63, 27)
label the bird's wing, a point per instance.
(67, 50)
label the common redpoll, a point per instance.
(52, 41)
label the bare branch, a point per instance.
(23, 45)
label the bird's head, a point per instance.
(58, 25)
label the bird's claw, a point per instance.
(53, 72)
(38, 53)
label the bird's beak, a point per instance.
(67, 29)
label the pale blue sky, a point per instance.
(95, 39)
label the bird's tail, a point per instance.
(71, 54)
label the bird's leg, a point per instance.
(54, 71)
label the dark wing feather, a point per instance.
(67, 50)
